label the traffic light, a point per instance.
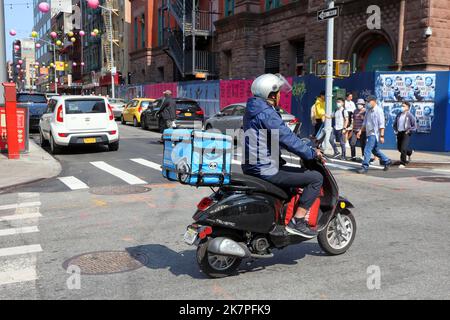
(341, 69)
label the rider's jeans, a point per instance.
(292, 177)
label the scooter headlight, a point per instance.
(342, 205)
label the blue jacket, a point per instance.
(259, 115)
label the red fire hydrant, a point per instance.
(11, 120)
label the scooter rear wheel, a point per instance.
(216, 266)
(332, 240)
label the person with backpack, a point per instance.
(404, 124)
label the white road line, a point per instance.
(28, 274)
(13, 231)
(73, 183)
(125, 176)
(20, 205)
(12, 251)
(147, 163)
(20, 216)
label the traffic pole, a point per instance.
(329, 78)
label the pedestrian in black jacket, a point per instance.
(167, 112)
(404, 124)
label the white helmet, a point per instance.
(267, 83)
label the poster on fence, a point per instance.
(417, 88)
(409, 87)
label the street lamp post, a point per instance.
(54, 59)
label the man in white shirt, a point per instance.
(340, 124)
(350, 107)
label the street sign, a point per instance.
(327, 14)
(59, 65)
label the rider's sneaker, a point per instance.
(300, 227)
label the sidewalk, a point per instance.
(33, 166)
(418, 159)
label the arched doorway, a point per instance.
(373, 52)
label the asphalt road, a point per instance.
(133, 221)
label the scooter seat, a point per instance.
(258, 185)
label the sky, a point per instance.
(19, 18)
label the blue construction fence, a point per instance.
(428, 93)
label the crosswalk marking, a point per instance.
(73, 183)
(147, 163)
(20, 205)
(20, 216)
(13, 231)
(28, 274)
(125, 176)
(33, 248)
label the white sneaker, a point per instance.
(401, 166)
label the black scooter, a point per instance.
(246, 219)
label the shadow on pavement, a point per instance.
(157, 256)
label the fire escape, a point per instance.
(109, 34)
(189, 43)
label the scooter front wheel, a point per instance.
(339, 234)
(214, 265)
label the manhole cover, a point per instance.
(107, 262)
(117, 190)
(434, 179)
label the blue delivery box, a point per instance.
(197, 158)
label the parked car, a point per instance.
(36, 103)
(117, 106)
(232, 117)
(132, 111)
(189, 115)
(78, 120)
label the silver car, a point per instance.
(232, 116)
(117, 106)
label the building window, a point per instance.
(272, 59)
(229, 8)
(272, 4)
(297, 57)
(160, 27)
(135, 33)
(228, 63)
(143, 31)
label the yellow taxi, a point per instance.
(133, 109)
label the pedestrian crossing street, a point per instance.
(18, 251)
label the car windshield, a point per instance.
(145, 104)
(117, 101)
(183, 105)
(27, 97)
(85, 106)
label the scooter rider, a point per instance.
(265, 123)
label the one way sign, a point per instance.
(327, 14)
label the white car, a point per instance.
(78, 120)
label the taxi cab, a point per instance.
(133, 110)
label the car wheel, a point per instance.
(43, 142)
(135, 122)
(122, 120)
(54, 148)
(143, 124)
(113, 146)
(208, 126)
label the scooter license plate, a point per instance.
(190, 236)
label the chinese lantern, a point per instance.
(38, 45)
(82, 64)
(74, 64)
(93, 4)
(93, 34)
(70, 34)
(12, 32)
(58, 42)
(44, 7)
(52, 65)
(53, 34)
(95, 31)
(82, 33)
(73, 39)
(34, 34)
(20, 61)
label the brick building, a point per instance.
(250, 37)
